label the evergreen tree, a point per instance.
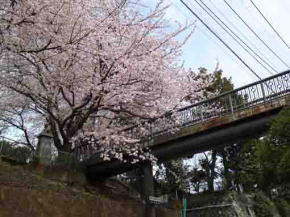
(265, 163)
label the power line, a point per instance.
(216, 35)
(180, 11)
(240, 41)
(272, 27)
(223, 49)
(232, 34)
(209, 37)
(264, 43)
(240, 32)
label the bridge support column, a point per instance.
(148, 190)
(148, 185)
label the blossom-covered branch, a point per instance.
(91, 67)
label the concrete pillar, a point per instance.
(148, 190)
(148, 185)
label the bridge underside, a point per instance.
(216, 137)
(213, 137)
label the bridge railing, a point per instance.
(260, 92)
(251, 95)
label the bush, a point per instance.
(263, 206)
(283, 207)
(17, 154)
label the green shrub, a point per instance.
(283, 207)
(263, 206)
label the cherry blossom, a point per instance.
(92, 68)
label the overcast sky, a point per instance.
(203, 49)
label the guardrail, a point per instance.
(245, 97)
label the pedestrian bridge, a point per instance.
(231, 117)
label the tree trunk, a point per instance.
(226, 171)
(211, 174)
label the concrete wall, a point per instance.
(19, 201)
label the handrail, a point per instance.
(214, 98)
(228, 93)
(235, 90)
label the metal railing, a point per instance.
(260, 92)
(245, 97)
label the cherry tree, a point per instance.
(93, 68)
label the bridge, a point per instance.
(229, 118)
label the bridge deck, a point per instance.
(221, 121)
(230, 117)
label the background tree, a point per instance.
(208, 164)
(173, 178)
(197, 178)
(219, 84)
(15, 153)
(265, 163)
